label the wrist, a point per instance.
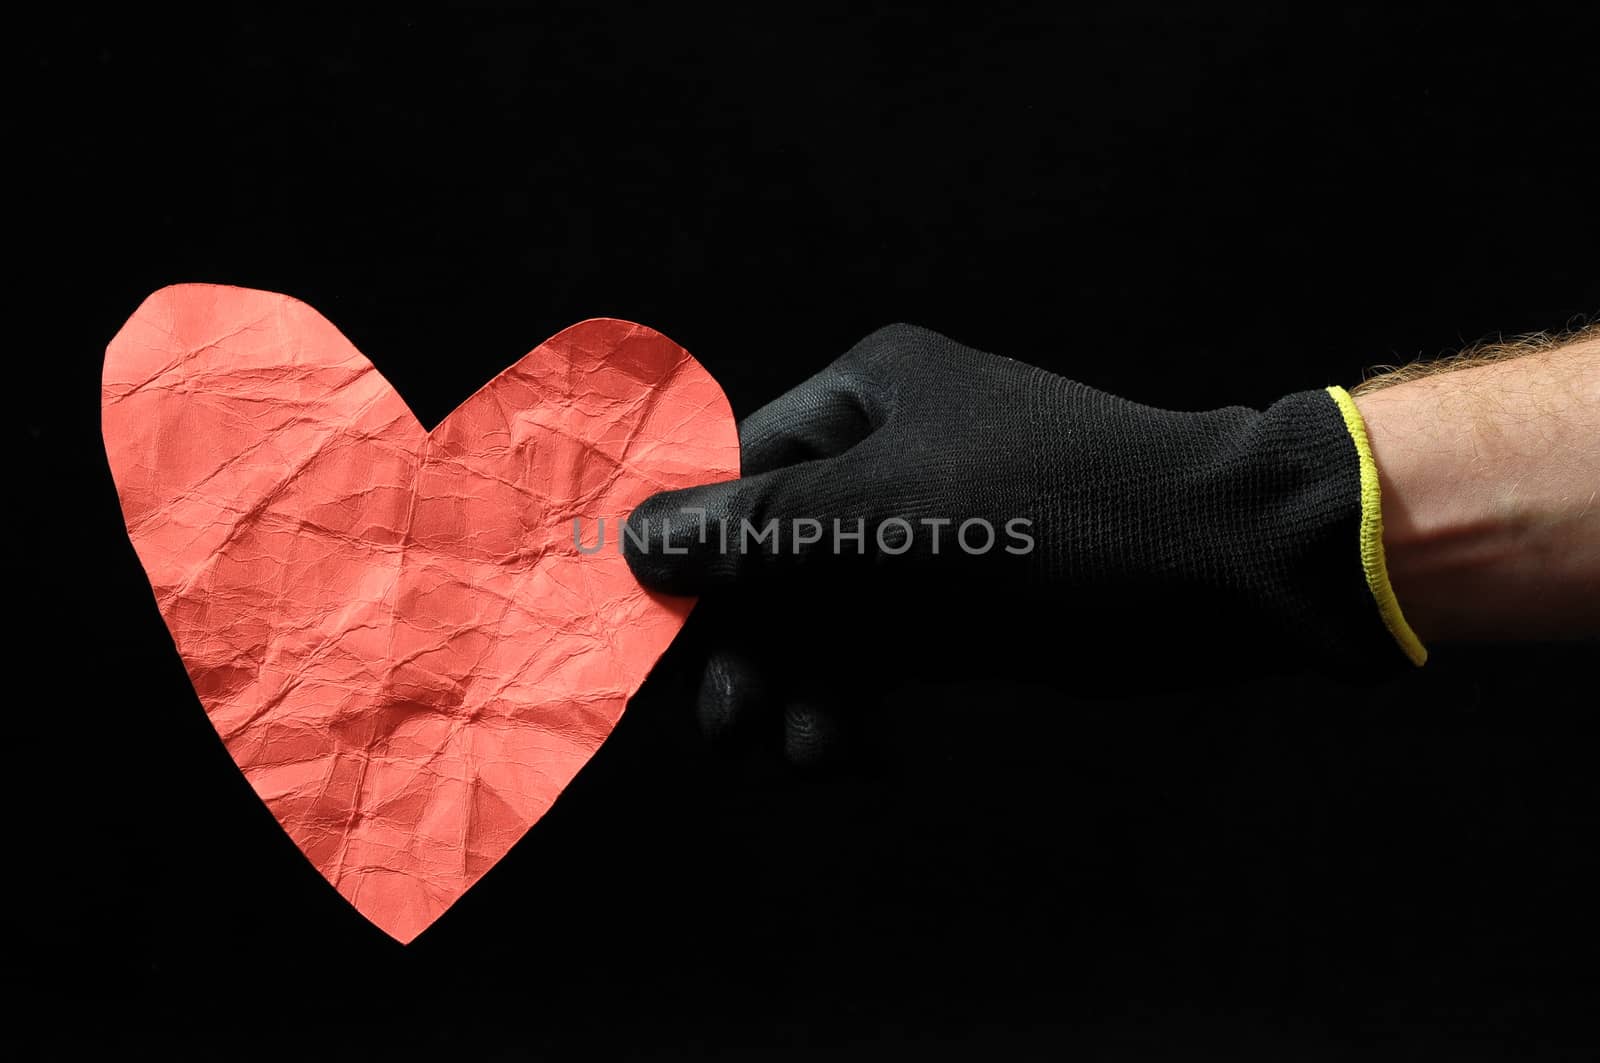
(1484, 533)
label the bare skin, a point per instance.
(1491, 495)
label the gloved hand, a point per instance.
(918, 483)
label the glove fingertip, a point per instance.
(665, 542)
(811, 734)
(730, 685)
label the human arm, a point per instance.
(1490, 467)
(1244, 538)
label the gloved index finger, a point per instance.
(821, 417)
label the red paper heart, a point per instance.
(394, 630)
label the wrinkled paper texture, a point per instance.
(392, 629)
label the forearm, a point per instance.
(1489, 479)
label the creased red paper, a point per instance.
(393, 630)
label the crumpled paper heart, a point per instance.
(394, 630)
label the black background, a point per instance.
(1190, 208)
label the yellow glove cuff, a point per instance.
(1372, 560)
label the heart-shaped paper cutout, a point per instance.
(395, 631)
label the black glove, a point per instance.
(917, 482)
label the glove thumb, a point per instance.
(705, 538)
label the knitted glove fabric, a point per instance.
(968, 472)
